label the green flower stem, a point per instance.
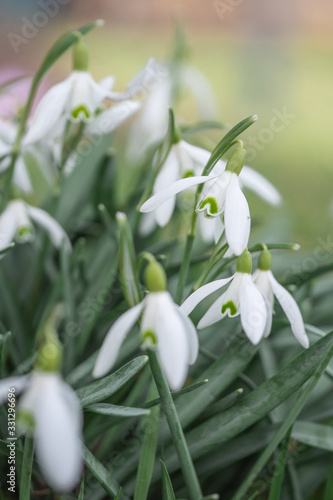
(56, 51)
(176, 430)
(28, 458)
(217, 254)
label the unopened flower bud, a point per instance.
(81, 56)
(236, 161)
(244, 263)
(155, 277)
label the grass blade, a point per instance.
(105, 387)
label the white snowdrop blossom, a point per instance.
(163, 326)
(264, 279)
(186, 160)
(79, 99)
(16, 223)
(242, 298)
(21, 178)
(221, 195)
(54, 411)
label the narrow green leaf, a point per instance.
(127, 262)
(275, 489)
(3, 251)
(328, 494)
(258, 403)
(225, 143)
(81, 492)
(313, 434)
(223, 404)
(100, 473)
(117, 411)
(319, 368)
(175, 394)
(28, 458)
(105, 387)
(148, 452)
(167, 489)
(220, 375)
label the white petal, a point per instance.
(114, 338)
(260, 185)
(21, 177)
(147, 224)
(202, 90)
(8, 226)
(236, 217)
(192, 337)
(149, 76)
(213, 314)
(253, 311)
(261, 279)
(199, 155)
(18, 382)
(158, 199)
(166, 177)
(48, 111)
(107, 82)
(56, 233)
(193, 300)
(172, 342)
(291, 310)
(112, 118)
(58, 435)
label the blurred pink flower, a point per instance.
(15, 94)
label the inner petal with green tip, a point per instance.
(231, 306)
(210, 205)
(81, 112)
(24, 233)
(149, 339)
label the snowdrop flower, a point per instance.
(16, 224)
(164, 327)
(50, 410)
(186, 160)
(242, 298)
(79, 99)
(21, 178)
(264, 279)
(221, 195)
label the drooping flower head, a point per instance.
(242, 298)
(221, 195)
(264, 279)
(16, 224)
(50, 411)
(164, 327)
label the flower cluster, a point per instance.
(70, 113)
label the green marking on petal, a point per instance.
(213, 208)
(25, 421)
(188, 173)
(231, 306)
(149, 339)
(24, 233)
(82, 109)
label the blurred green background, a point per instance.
(261, 57)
